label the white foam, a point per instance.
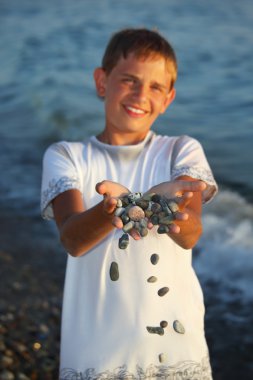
(227, 243)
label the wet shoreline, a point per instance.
(32, 266)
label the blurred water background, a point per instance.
(49, 50)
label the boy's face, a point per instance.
(136, 92)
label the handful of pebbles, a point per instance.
(136, 210)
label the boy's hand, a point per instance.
(111, 191)
(183, 190)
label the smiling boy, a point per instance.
(130, 328)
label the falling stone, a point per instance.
(114, 271)
(162, 358)
(163, 324)
(154, 258)
(161, 292)
(123, 241)
(155, 330)
(178, 327)
(152, 279)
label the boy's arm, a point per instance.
(80, 229)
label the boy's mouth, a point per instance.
(133, 111)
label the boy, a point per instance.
(147, 322)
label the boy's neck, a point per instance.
(121, 139)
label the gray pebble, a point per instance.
(173, 206)
(142, 203)
(155, 207)
(156, 198)
(154, 258)
(127, 227)
(152, 279)
(154, 220)
(119, 211)
(124, 241)
(178, 327)
(162, 229)
(166, 220)
(155, 330)
(125, 218)
(161, 292)
(114, 271)
(143, 223)
(143, 232)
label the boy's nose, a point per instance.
(140, 92)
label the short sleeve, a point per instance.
(189, 159)
(59, 174)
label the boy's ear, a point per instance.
(99, 77)
(169, 99)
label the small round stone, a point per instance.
(178, 327)
(156, 198)
(154, 258)
(114, 271)
(163, 324)
(123, 241)
(156, 207)
(152, 279)
(162, 358)
(161, 292)
(136, 213)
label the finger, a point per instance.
(184, 200)
(110, 205)
(174, 229)
(135, 234)
(189, 186)
(182, 216)
(100, 188)
(117, 222)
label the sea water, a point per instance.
(49, 50)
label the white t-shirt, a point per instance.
(111, 329)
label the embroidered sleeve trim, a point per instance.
(185, 370)
(199, 173)
(56, 187)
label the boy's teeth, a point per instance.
(135, 110)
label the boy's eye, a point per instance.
(128, 80)
(156, 88)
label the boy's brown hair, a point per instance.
(144, 43)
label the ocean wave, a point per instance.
(226, 247)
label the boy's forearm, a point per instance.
(82, 231)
